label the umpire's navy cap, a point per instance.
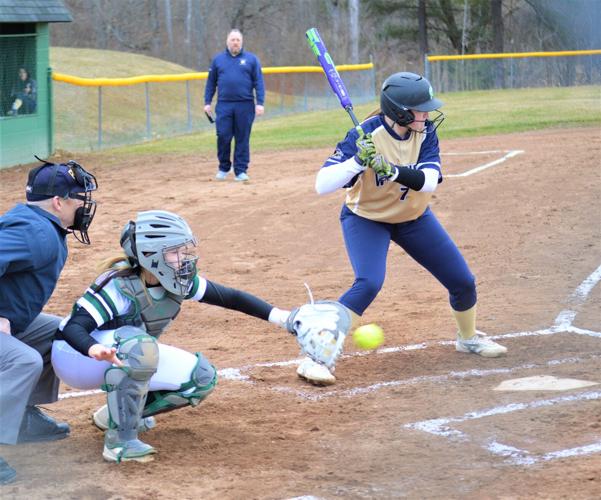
(58, 179)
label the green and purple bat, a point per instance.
(329, 68)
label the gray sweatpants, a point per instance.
(26, 373)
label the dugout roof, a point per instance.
(34, 11)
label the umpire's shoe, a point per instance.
(37, 426)
(7, 473)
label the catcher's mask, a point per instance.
(162, 243)
(67, 180)
(403, 92)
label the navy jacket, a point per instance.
(235, 77)
(33, 251)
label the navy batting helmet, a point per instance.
(403, 92)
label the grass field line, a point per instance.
(442, 427)
(563, 323)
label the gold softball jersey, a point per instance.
(375, 197)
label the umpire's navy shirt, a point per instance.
(235, 77)
(33, 251)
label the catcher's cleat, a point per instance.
(133, 450)
(315, 373)
(480, 344)
(101, 420)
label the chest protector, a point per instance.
(154, 315)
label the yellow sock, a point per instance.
(466, 322)
(355, 318)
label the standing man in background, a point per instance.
(237, 74)
(33, 251)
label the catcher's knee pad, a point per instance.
(126, 386)
(201, 384)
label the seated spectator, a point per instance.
(24, 93)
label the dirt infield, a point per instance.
(415, 419)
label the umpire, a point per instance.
(236, 73)
(33, 251)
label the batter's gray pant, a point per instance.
(26, 373)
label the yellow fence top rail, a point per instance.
(516, 55)
(182, 77)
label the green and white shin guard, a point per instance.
(126, 388)
(201, 384)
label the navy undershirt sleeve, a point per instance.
(230, 298)
(413, 179)
(77, 331)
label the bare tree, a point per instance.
(496, 12)
(422, 29)
(169, 26)
(354, 30)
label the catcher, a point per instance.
(110, 338)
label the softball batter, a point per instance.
(389, 174)
(110, 338)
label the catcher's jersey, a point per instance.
(375, 198)
(109, 303)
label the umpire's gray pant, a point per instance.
(26, 373)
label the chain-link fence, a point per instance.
(99, 113)
(496, 71)
(18, 84)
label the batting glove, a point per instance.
(365, 150)
(383, 167)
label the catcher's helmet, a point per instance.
(155, 235)
(403, 92)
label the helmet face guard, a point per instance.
(84, 214)
(163, 244)
(182, 261)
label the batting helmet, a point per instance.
(162, 243)
(403, 92)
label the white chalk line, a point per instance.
(505, 157)
(451, 376)
(562, 323)
(441, 427)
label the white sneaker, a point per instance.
(315, 373)
(221, 175)
(101, 420)
(480, 344)
(242, 177)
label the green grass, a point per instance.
(468, 114)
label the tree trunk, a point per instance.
(451, 29)
(169, 27)
(354, 30)
(422, 31)
(496, 12)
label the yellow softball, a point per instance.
(368, 336)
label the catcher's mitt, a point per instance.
(320, 330)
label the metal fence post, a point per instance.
(99, 117)
(305, 102)
(188, 106)
(373, 77)
(282, 88)
(147, 92)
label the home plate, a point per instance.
(542, 383)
